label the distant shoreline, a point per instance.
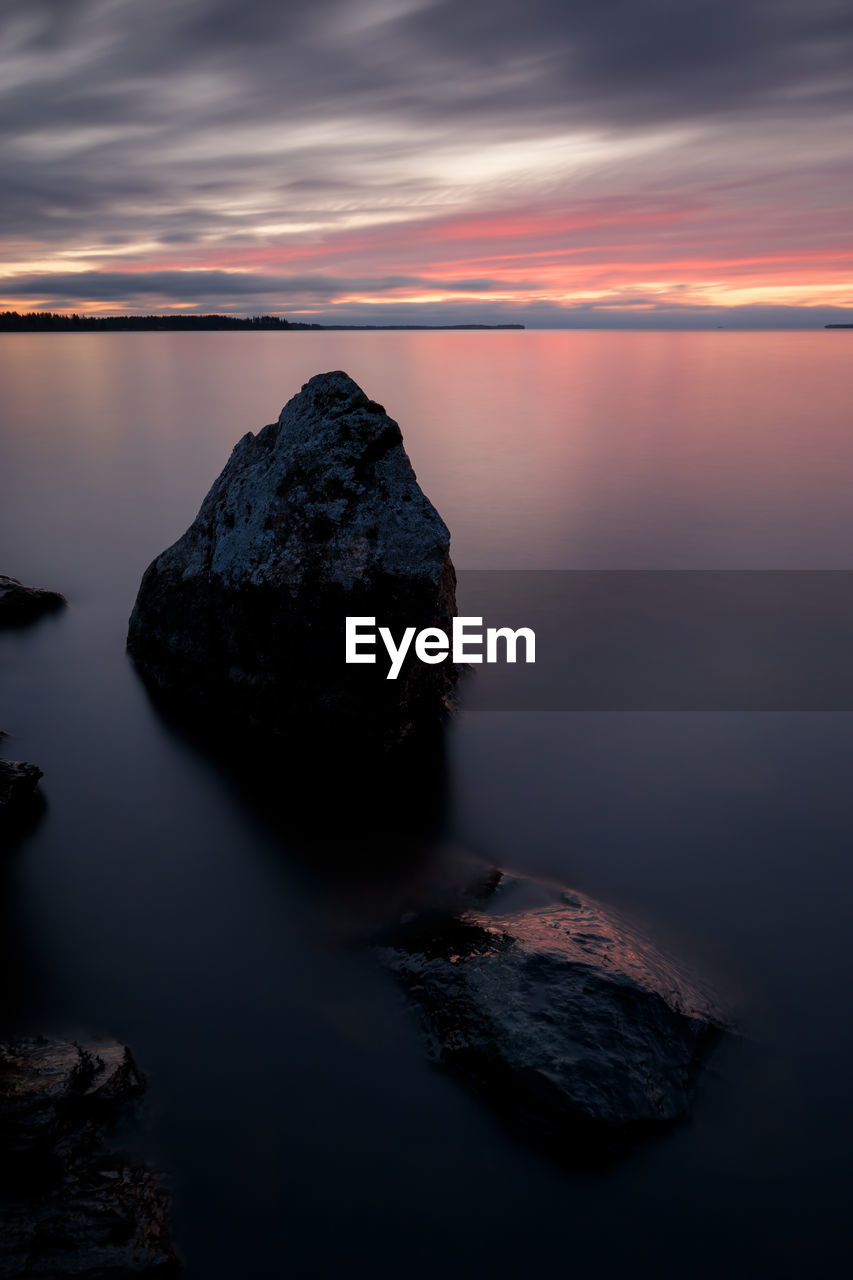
(50, 322)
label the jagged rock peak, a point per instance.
(327, 487)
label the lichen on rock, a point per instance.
(316, 517)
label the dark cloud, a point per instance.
(607, 61)
(116, 286)
(545, 315)
(205, 121)
(620, 60)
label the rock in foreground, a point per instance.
(575, 1027)
(68, 1207)
(20, 604)
(316, 517)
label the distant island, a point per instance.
(838, 326)
(53, 322)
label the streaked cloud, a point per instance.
(350, 157)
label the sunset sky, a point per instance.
(550, 162)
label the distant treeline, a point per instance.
(51, 322)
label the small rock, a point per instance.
(20, 604)
(575, 1027)
(69, 1207)
(18, 781)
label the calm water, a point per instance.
(290, 1099)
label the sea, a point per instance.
(291, 1105)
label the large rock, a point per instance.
(573, 1025)
(316, 517)
(20, 604)
(69, 1207)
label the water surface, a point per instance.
(290, 1099)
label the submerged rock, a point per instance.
(20, 604)
(561, 1014)
(316, 517)
(68, 1206)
